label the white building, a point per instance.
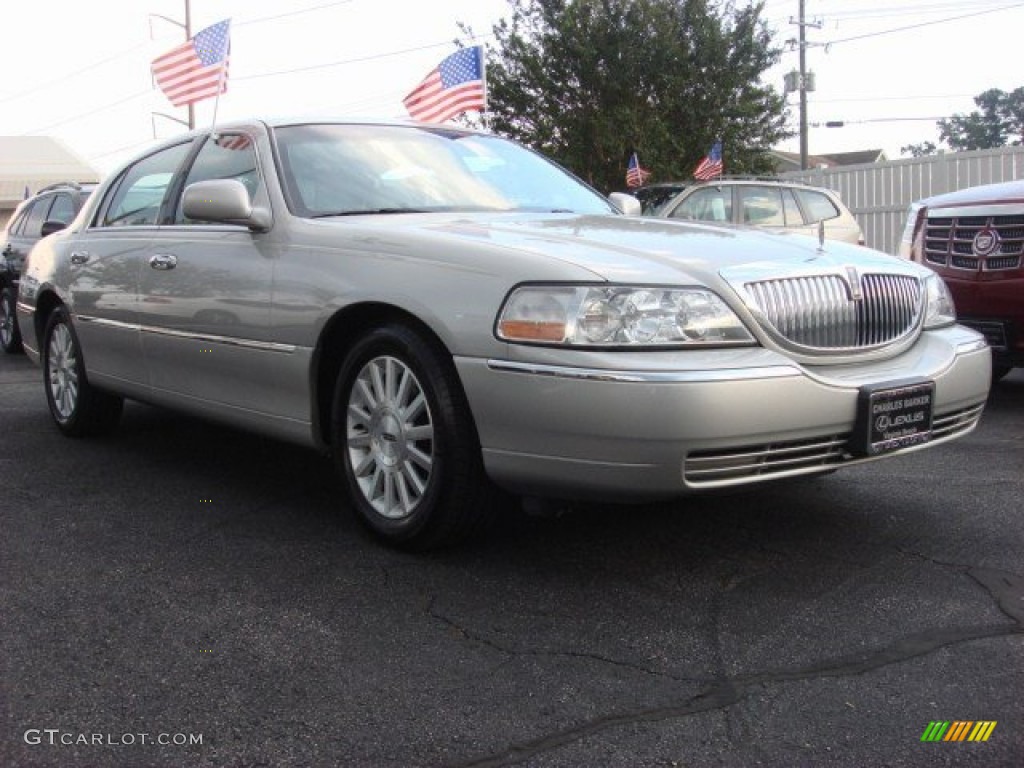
(29, 163)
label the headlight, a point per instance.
(619, 316)
(915, 218)
(939, 309)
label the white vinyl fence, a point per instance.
(879, 194)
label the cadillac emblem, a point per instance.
(986, 242)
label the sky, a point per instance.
(79, 69)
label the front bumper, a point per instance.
(576, 425)
(994, 308)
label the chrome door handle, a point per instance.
(80, 257)
(163, 261)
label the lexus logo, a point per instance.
(986, 242)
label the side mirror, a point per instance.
(627, 204)
(225, 201)
(50, 226)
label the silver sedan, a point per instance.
(451, 315)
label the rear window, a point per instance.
(817, 205)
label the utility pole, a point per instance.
(803, 88)
(802, 80)
(187, 26)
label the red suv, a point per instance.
(974, 238)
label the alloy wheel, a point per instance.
(390, 436)
(62, 366)
(6, 321)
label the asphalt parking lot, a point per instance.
(181, 594)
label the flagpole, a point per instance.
(220, 80)
(485, 115)
(188, 36)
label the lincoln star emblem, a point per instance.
(853, 279)
(986, 242)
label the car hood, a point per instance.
(1005, 192)
(626, 249)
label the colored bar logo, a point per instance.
(958, 730)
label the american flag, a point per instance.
(711, 165)
(197, 69)
(455, 86)
(232, 141)
(635, 175)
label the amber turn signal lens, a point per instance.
(522, 330)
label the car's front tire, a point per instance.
(78, 408)
(1000, 372)
(10, 335)
(405, 442)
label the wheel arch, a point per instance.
(46, 302)
(337, 336)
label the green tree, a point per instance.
(924, 149)
(998, 121)
(588, 82)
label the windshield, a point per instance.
(337, 170)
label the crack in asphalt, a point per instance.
(515, 652)
(1005, 588)
(729, 692)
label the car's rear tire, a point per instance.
(10, 335)
(405, 442)
(78, 408)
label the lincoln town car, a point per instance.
(456, 319)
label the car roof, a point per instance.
(735, 180)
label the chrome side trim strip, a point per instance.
(644, 377)
(231, 341)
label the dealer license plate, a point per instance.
(890, 417)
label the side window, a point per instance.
(17, 228)
(34, 219)
(708, 204)
(140, 191)
(793, 216)
(63, 210)
(761, 206)
(226, 156)
(817, 205)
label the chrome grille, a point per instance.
(949, 241)
(711, 468)
(819, 312)
(752, 463)
(1003, 262)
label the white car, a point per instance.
(779, 206)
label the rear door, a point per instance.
(105, 260)
(25, 232)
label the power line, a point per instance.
(289, 13)
(915, 97)
(922, 24)
(326, 65)
(88, 114)
(33, 90)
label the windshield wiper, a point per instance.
(368, 212)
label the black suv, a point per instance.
(50, 210)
